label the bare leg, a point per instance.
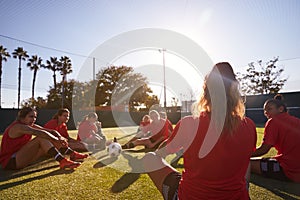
(96, 142)
(157, 168)
(139, 135)
(143, 141)
(31, 151)
(131, 141)
(77, 145)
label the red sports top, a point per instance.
(221, 173)
(62, 129)
(84, 130)
(158, 129)
(142, 123)
(283, 132)
(9, 145)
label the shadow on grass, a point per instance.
(7, 175)
(38, 166)
(141, 150)
(124, 182)
(105, 162)
(128, 178)
(285, 190)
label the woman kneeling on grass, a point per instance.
(18, 149)
(217, 145)
(282, 131)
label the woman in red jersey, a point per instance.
(89, 132)
(59, 123)
(19, 149)
(217, 141)
(282, 131)
(142, 131)
(158, 130)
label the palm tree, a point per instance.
(3, 57)
(34, 64)
(52, 64)
(65, 67)
(20, 54)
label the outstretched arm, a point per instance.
(261, 150)
(21, 129)
(53, 132)
(159, 140)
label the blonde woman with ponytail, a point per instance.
(217, 141)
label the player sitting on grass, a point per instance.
(159, 129)
(90, 133)
(282, 131)
(19, 149)
(59, 123)
(217, 142)
(142, 131)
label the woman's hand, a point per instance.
(63, 141)
(98, 124)
(60, 142)
(55, 133)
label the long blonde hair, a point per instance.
(235, 109)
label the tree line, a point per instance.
(110, 82)
(120, 85)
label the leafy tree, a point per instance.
(150, 101)
(262, 78)
(52, 65)
(40, 102)
(121, 86)
(34, 64)
(65, 67)
(21, 54)
(54, 98)
(84, 94)
(3, 57)
(141, 96)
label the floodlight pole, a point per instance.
(94, 63)
(63, 91)
(164, 74)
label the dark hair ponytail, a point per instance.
(279, 97)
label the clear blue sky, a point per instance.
(236, 31)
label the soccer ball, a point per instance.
(114, 149)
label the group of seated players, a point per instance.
(53, 138)
(153, 130)
(215, 166)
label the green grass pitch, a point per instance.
(100, 178)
